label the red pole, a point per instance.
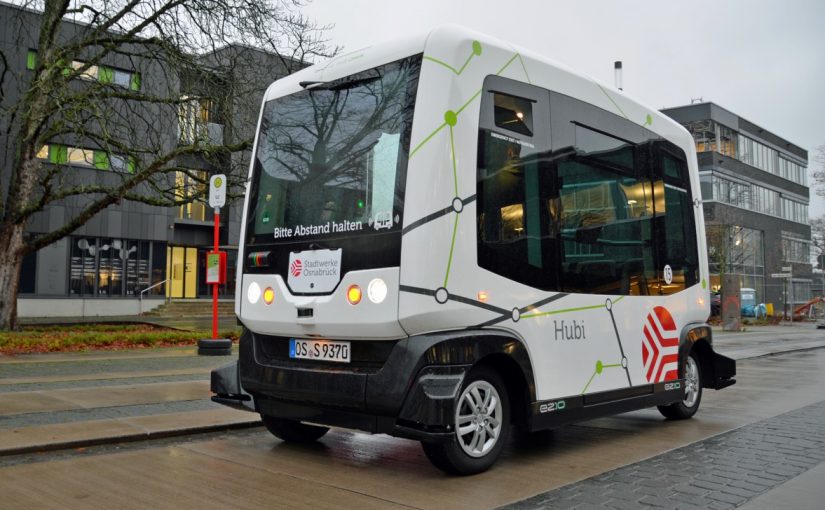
(215, 285)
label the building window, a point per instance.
(113, 267)
(796, 250)
(28, 271)
(83, 266)
(739, 251)
(732, 192)
(793, 171)
(759, 155)
(31, 60)
(90, 158)
(801, 292)
(199, 120)
(158, 268)
(704, 134)
(188, 186)
(711, 136)
(727, 141)
(753, 197)
(101, 73)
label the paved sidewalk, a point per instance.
(805, 492)
(758, 341)
(725, 471)
(67, 400)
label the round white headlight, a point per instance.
(253, 292)
(377, 290)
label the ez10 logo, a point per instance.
(296, 267)
(549, 407)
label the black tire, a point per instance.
(687, 407)
(452, 456)
(293, 431)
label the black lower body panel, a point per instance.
(557, 412)
(723, 370)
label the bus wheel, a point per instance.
(292, 431)
(481, 423)
(693, 392)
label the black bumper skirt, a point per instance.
(407, 396)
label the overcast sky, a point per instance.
(762, 59)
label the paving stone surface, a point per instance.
(725, 471)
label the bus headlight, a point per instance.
(253, 292)
(269, 295)
(354, 294)
(377, 290)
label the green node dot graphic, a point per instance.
(450, 117)
(476, 48)
(599, 367)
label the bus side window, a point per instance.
(676, 232)
(514, 236)
(606, 217)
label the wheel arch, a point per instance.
(716, 371)
(518, 389)
(501, 349)
(451, 356)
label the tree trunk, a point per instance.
(11, 260)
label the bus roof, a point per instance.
(454, 39)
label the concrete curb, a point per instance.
(128, 438)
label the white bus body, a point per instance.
(495, 213)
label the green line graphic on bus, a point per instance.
(599, 368)
(476, 52)
(450, 121)
(472, 98)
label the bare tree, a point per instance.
(819, 172)
(723, 248)
(818, 237)
(87, 85)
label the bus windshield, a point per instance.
(331, 160)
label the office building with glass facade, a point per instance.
(755, 197)
(132, 252)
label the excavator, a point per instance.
(805, 310)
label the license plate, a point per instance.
(324, 350)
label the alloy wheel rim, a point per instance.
(691, 383)
(478, 419)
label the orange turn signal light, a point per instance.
(354, 294)
(269, 295)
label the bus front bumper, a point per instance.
(406, 397)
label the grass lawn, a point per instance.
(82, 337)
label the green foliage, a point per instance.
(98, 336)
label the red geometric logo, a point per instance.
(296, 267)
(660, 346)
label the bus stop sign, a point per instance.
(217, 191)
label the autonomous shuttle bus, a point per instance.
(448, 237)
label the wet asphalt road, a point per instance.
(621, 459)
